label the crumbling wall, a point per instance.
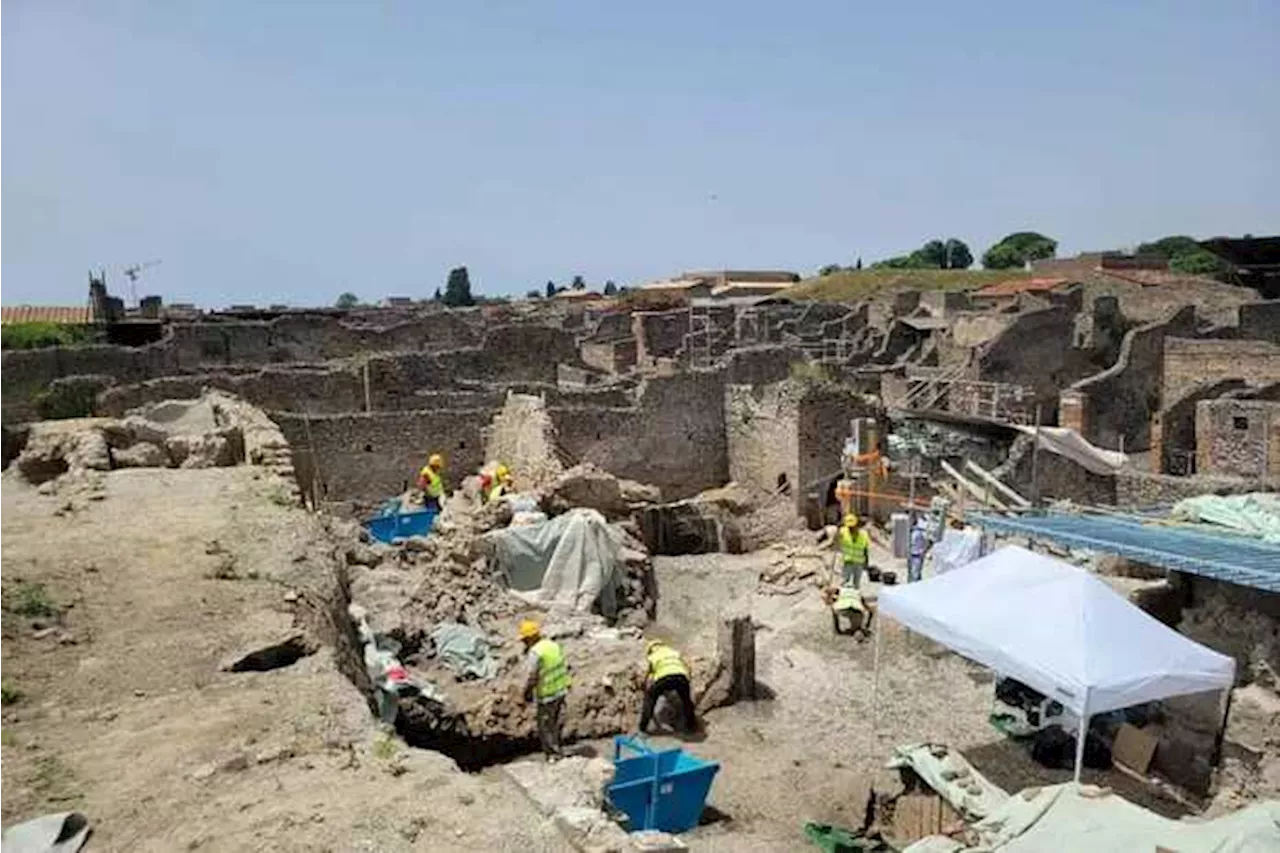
(1033, 351)
(763, 435)
(522, 437)
(1173, 429)
(364, 458)
(1260, 321)
(1141, 488)
(1187, 363)
(1118, 403)
(674, 438)
(312, 389)
(659, 334)
(826, 411)
(1238, 438)
(1056, 477)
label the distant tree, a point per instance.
(858, 265)
(913, 261)
(1199, 262)
(457, 290)
(610, 289)
(1169, 247)
(551, 289)
(535, 293)
(956, 255)
(578, 283)
(347, 300)
(829, 269)
(1016, 249)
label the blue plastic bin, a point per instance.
(664, 790)
(398, 525)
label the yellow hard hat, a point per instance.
(529, 629)
(850, 520)
(435, 460)
(501, 472)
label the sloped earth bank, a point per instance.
(123, 613)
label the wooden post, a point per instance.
(1035, 463)
(736, 646)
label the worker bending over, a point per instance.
(548, 682)
(667, 674)
(431, 482)
(855, 549)
(501, 483)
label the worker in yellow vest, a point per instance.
(855, 551)
(431, 482)
(548, 683)
(501, 483)
(668, 673)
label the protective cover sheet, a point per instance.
(571, 561)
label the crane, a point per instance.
(131, 273)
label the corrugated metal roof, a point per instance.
(64, 314)
(1221, 556)
(1021, 285)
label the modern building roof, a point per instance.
(1020, 285)
(675, 284)
(1221, 556)
(62, 314)
(1255, 253)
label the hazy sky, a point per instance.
(288, 151)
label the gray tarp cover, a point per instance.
(465, 650)
(570, 561)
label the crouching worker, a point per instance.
(548, 683)
(846, 603)
(667, 674)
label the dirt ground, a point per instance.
(812, 751)
(121, 710)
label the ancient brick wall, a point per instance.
(659, 334)
(1260, 321)
(763, 434)
(1189, 362)
(674, 438)
(1173, 429)
(1119, 402)
(1034, 351)
(1142, 488)
(364, 458)
(1238, 438)
(826, 412)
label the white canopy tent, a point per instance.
(1058, 629)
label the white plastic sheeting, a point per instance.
(1058, 629)
(956, 548)
(1255, 514)
(1064, 817)
(571, 561)
(1071, 444)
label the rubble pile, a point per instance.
(795, 567)
(587, 486)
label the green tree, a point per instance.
(1169, 247)
(829, 269)
(551, 289)
(534, 293)
(578, 283)
(1199, 262)
(347, 300)
(457, 290)
(1016, 249)
(913, 261)
(610, 289)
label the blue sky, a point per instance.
(288, 151)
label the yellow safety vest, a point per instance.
(553, 674)
(497, 491)
(664, 661)
(435, 483)
(854, 548)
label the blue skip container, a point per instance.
(664, 790)
(391, 524)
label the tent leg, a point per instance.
(875, 690)
(1081, 735)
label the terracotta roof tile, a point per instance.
(1021, 285)
(67, 314)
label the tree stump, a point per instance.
(736, 646)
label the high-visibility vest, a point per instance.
(435, 483)
(553, 674)
(853, 546)
(497, 491)
(664, 661)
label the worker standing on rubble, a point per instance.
(501, 483)
(855, 550)
(431, 482)
(668, 673)
(548, 682)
